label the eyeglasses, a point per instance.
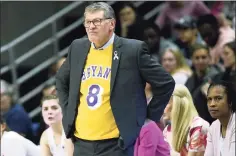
(96, 22)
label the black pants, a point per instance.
(107, 147)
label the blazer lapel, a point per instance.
(115, 61)
(81, 57)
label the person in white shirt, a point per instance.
(13, 144)
(53, 141)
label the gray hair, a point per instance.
(101, 6)
(6, 87)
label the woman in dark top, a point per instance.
(228, 57)
(130, 24)
(229, 63)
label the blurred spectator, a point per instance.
(222, 106)
(156, 43)
(174, 63)
(224, 11)
(15, 115)
(187, 35)
(49, 89)
(229, 58)
(53, 140)
(234, 24)
(150, 141)
(229, 9)
(55, 67)
(13, 144)
(60, 63)
(174, 10)
(187, 132)
(214, 36)
(202, 73)
(131, 25)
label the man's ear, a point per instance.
(112, 24)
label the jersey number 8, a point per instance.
(94, 98)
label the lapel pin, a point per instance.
(116, 55)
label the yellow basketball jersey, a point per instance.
(95, 120)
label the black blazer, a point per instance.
(129, 73)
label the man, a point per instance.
(187, 35)
(101, 88)
(156, 43)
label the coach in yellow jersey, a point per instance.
(101, 88)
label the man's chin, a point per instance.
(93, 39)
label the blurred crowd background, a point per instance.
(193, 40)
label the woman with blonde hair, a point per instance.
(187, 132)
(174, 62)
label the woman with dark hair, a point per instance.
(229, 74)
(229, 56)
(49, 89)
(53, 141)
(222, 106)
(13, 144)
(130, 25)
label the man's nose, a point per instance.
(91, 25)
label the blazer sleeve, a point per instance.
(161, 82)
(62, 82)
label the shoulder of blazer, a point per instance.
(81, 41)
(127, 41)
(131, 45)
